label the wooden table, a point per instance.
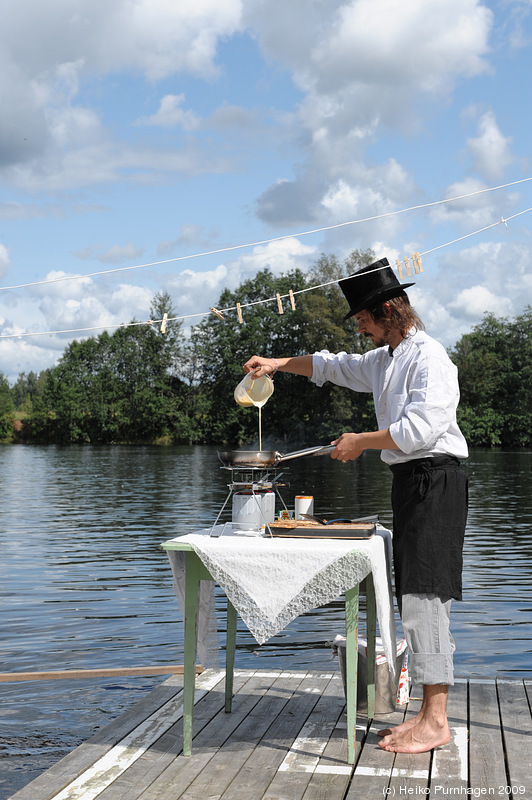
(196, 571)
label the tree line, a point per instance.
(139, 385)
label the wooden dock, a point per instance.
(286, 740)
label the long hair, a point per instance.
(402, 316)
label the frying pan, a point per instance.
(268, 458)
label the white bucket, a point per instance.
(254, 509)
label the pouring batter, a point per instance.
(415, 389)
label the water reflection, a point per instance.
(84, 584)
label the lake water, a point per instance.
(84, 584)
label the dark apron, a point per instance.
(429, 503)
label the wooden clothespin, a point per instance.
(418, 259)
(217, 313)
(292, 301)
(407, 265)
(239, 312)
(163, 323)
(414, 262)
(399, 268)
(279, 303)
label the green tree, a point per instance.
(26, 389)
(494, 365)
(6, 407)
(114, 388)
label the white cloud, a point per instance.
(51, 138)
(191, 235)
(26, 355)
(367, 41)
(473, 212)
(457, 289)
(120, 254)
(490, 150)
(475, 301)
(117, 254)
(71, 305)
(170, 114)
(362, 70)
(156, 37)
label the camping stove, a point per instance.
(253, 491)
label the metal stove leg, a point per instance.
(221, 510)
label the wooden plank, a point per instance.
(182, 771)
(162, 752)
(72, 765)
(449, 772)
(227, 763)
(374, 767)
(332, 774)
(88, 785)
(486, 755)
(103, 672)
(286, 738)
(304, 756)
(517, 732)
(263, 761)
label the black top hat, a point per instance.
(366, 290)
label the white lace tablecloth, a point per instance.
(270, 582)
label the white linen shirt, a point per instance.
(415, 389)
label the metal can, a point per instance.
(304, 504)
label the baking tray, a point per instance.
(292, 529)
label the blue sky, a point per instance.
(138, 131)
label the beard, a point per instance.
(381, 338)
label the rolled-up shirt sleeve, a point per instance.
(343, 369)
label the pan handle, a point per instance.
(309, 451)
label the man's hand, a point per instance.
(260, 366)
(348, 447)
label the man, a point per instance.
(415, 389)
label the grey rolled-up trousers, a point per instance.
(425, 619)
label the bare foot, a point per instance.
(403, 726)
(419, 738)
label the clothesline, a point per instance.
(278, 297)
(267, 241)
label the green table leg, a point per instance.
(191, 636)
(351, 664)
(371, 625)
(230, 646)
